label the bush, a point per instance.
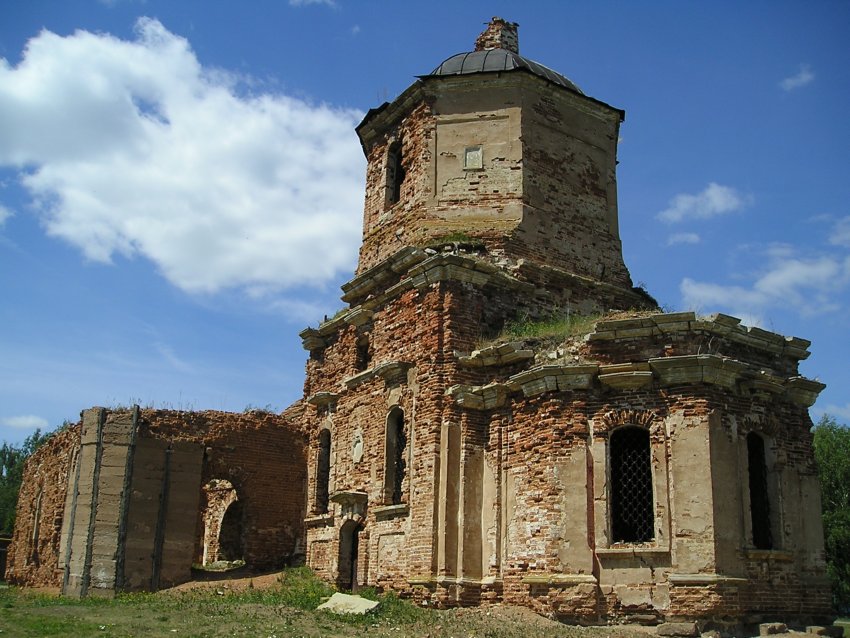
(832, 454)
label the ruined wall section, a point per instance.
(113, 503)
(35, 558)
(570, 218)
(549, 442)
(406, 357)
(387, 224)
(412, 338)
(684, 334)
(263, 456)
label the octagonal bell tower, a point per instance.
(501, 152)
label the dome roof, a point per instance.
(495, 60)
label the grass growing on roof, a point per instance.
(560, 326)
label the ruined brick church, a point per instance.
(641, 466)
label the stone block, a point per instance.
(626, 380)
(348, 604)
(770, 628)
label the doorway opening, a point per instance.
(349, 541)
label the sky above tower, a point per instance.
(181, 184)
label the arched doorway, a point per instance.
(349, 540)
(222, 525)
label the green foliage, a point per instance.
(832, 453)
(559, 325)
(268, 408)
(300, 588)
(11, 473)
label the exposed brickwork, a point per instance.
(507, 495)
(34, 558)
(499, 34)
(260, 454)
(508, 484)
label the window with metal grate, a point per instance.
(632, 511)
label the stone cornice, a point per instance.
(379, 275)
(392, 372)
(498, 355)
(530, 269)
(719, 324)
(410, 268)
(322, 398)
(707, 369)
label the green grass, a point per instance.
(285, 609)
(558, 326)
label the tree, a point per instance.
(832, 453)
(11, 473)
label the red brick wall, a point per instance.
(36, 561)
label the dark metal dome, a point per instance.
(494, 60)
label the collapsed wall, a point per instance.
(130, 498)
(33, 557)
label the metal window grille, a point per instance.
(759, 499)
(631, 486)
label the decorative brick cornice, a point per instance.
(663, 372)
(715, 325)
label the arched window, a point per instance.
(395, 465)
(395, 172)
(759, 497)
(221, 515)
(632, 510)
(323, 471)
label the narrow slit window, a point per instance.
(362, 356)
(323, 471)
(395, 173)
(395, 465)
(632, 510)
(759, 496)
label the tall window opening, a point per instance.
(759, 497)
(395, 172)
(323, 471)
(362, 357)
(230, 535)
(632, 510)
(222, 517)
(395, 465)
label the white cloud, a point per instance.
(134, 148)
(841, 233)
(808, 285)
(24, 422)
(713, 201)
(683, 238)
(803, 77)
(5, 214)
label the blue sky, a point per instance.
(181, 185)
